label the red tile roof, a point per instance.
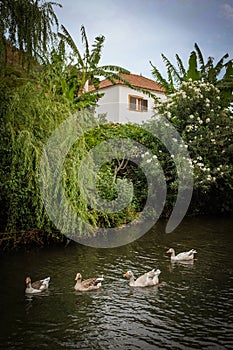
(135, 80)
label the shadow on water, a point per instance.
(191, 308)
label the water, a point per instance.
(192, 308)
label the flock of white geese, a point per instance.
(150, 278)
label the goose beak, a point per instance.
(125, 274)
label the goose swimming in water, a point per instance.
(147, 280)
(88, 284)
(189, 255)
(37, 286)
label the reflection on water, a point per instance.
(191, 308)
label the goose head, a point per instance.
(157, 272)
(128, 274)
(28, 280)
(78, 276)
(170, 251)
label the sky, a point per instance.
(139, 31)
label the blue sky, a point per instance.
(137, 31)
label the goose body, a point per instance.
(149, 279)
(189, 255)
(88, 284)
(37, 286)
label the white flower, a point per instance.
(189, 127)
(172, 156)
(207, 120)
(149, 160)
(154, 156)
(191, 116)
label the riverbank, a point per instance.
(37, 238)
(30, 239)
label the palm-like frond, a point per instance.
(115, 69)
(201, 62)
(96, 50)
(160, 79)
(69, 41)
(170, 79)
(227, 81)
(192, 71)
(209, 70)
(85, 41)
(200, 56)
(171, 68)
(226, 85)
(181, 66)
(220, 64)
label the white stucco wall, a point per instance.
(109, 103)
(115, 104)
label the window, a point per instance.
(137, 103)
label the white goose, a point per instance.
(189, 255)
(87, 285)
(37, 286)
(147, 280)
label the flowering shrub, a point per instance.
(206, 127)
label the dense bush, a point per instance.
(196, 112)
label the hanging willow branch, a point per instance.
(26, 25)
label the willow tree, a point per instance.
(26, 25)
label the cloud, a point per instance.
(227, 10)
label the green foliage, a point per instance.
(31, 117)
(118, 173)
(87, 65)
(207, 72)
(192, 72)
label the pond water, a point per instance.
(192, 308)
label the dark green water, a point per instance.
(191, 309)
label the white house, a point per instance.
(122, 104)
